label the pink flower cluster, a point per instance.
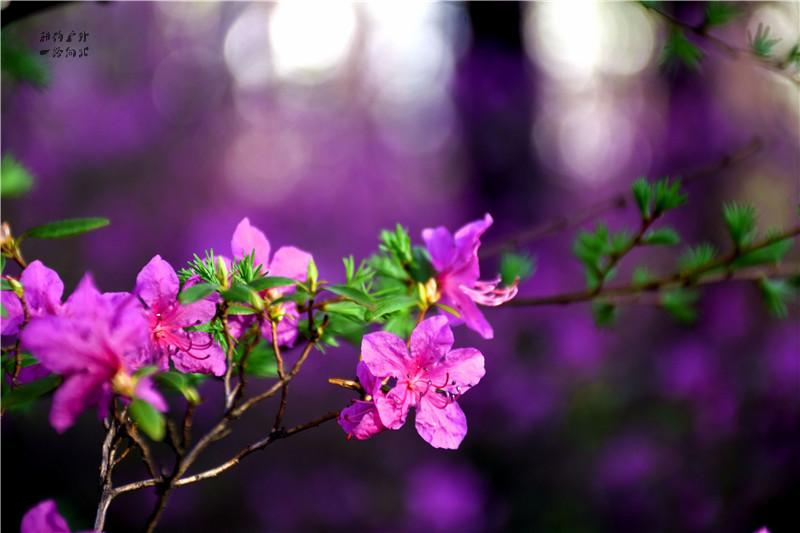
(426, 374)
(99, 341)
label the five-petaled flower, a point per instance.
(287, 262)
(190, 351)
(427, 375)
(96, 345)
(455, 258)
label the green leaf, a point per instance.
(195, 293)
(642, 193)
(741, 222)
(720, 13)
(589, 247)
(661, 237)
(696, 257)
(179, 382)
(238, 293)
(421, 268)
(776, 294)
(15, 180)
(271, 282)
(24, 395)
(760, 43)
(351, 293)
(641, 276)
(448, 309)
(21, 64)
(392, 306)
(620, 242)
(147, 418)
(261, 361)
(772, 253)
(679, 49)
(234, 309)
(66, 228)
(514, 266)
(148, 370)
(349, 310)
(604, 313)
(667, 195)
(680, 304)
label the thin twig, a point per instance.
(732, 52)
(618, 201)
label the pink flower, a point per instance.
(455, 258)
(360, 419)
(288, 262)
(44, 518)
(96, 344)
(191, 351)
(429, 377)
(43, 291)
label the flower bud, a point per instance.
(222, 273)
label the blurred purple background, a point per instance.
(325, 124)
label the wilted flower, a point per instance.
(455, 258)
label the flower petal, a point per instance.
(441, 428)
(248, 239)
(194, 313)
(368, 381)
(385, 354)
(441, 246)
(360, 420)
(63, 345)
(146, 390)
(205, 356)
(44, 518)
(14, 314)
(431, 340)
(487, 293)
(287, 327)
(78, 392)
(470, 313)
(290, 262)
(157, 283)
(43, 288)
(461, 369)
(393, 406)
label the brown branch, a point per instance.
(678, 279)
(618, 201)
(259, 445)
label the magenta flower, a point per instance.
(288, 262)
(157, 286)
(96, 345)
(44, 518)
(455, 258)
(360, 419)
(43, 291)
(429, 377)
